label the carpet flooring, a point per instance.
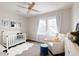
(30, 48)
(26, 49)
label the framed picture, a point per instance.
(13, 23)
(4, 23)
(77, 27)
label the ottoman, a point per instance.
(43, 49)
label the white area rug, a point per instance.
(25, 49)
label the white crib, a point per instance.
(10, 39)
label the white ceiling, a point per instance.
(43, 7)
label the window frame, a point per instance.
(46, 21)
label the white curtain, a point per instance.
(59, 23)
(43, 32)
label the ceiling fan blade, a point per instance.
(21, 6)
(30, 7)
(35, 10)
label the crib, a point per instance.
(10, 39)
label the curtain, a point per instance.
(59, 23)
(38, 36)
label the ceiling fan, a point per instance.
(29, 7)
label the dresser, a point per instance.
(71, 49)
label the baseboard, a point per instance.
(60, 54)
(34, 41)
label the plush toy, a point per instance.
(75, 36)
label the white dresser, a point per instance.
(71, 49)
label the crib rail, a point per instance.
(11, 40)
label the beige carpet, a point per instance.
(26, 49)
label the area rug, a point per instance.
(34, 50)
(25, 49)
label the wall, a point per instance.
(75, 15)
(13, 16)
(30, 25)
(65, 15)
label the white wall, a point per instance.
(75, 15)
(30, 25)
(65, 15)
(13, 16)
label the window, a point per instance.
(52, 26)
(48, 26)
(42, 27)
